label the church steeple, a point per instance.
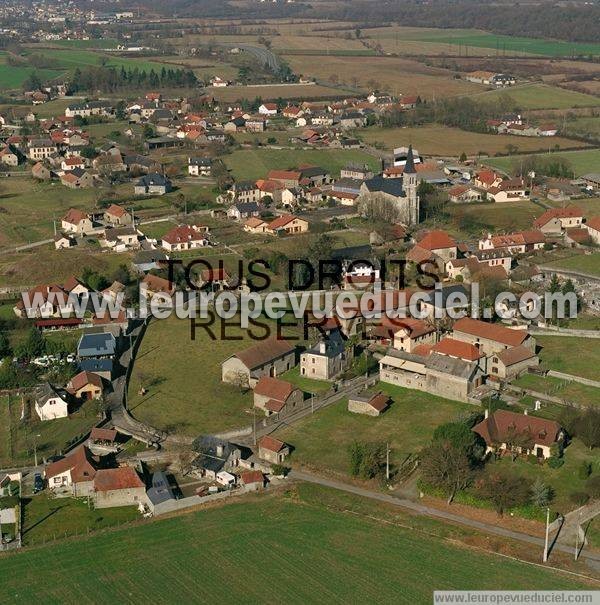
(409, 166)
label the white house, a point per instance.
(50, 403)
(268, 109)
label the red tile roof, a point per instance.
(568, 212)
(274, 388)
(183, 233)
(436, 240)
(284, 175)
(103, 434)
(264, 351)
(111, 479)
(593, 223)
(74, 216)
(281, 221)
(83, 379)
(515, 355)
(271, 444)
(502, 426)
(116, 210)
(379, 401)
(457, 348)
(248, 477)
(80, 462)
(490, 331)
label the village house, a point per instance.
(272, 450)
(72, 162)
(460, 194)
(487, 179)
(491, 338)
(505, 431)
(40, 149)
(252, 480)
(62, 241)
(243, 210)
(41, 172)
(511, 363)
(408, 333)
(117, 216)
(199, 166)
(74, 474)
(270, 357)
(357, 172)
(287, 224)
(326, 359)
(153, 184)
(435, 246)
(215, 456)
(276, 396)
(153, 284)
(288, 178)
(120, 239)
(268, 109)
(509, 190)
(371, 404)
(50, 403)
(185, 237)
(494, 257)
(242, 192)
(118, 487)
(516, 243)
(77, 178)
(557, 220)
(255, 225)
(10, 156)
(77, 221)
(85, 386)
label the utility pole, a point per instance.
(387, 461)
(547, 534)
(254, 424)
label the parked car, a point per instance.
(38, 483)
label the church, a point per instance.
(393, 200)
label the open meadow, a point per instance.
(306, 528)
(276, 91)
(407, 426)
(557, 354)
(438, 140)
(542, 96)
(581, 162)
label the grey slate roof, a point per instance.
(390, 186)
(97, 345)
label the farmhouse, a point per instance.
(85, 385)
(509, 190)
(77, 178)
(490, 338)
(505, 431)
(464, 193)
(371, 404)
(270, 357)
(243, 210)
(153, 184)
(50, 403)
(199, 166)
(326, 359)
(118, 216)
(272, 450)
(77, 221)
(153, 284)
(215, 455)
(275, 396)
(510, 363)
(118, 487)
(255, 225)
(252, 480)
(287, 224)
(40, 149)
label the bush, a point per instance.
(584, 470)
(592, 486)
(279, 469)
(555, 462)
(579, 498)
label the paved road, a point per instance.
(422, 509)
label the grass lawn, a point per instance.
(13, 76)
(443, 141)
(183, 378)
(321, 553)
(47, 518)
(51, 437)
(578, 356)
(308, 385)
(581, 162)
(584, 126)
(586, 263)
(256, 163)
(321, 441)
(471, 219)
(542, 96)
(569, 391)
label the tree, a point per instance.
(505, 490)
(463, 157)
(541, 494)
(367, 460)
(587, 427)
(5, 348)
(446, 467)
(34, 345)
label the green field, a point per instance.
(321, 441)
(586, 263)
(542, 96)
(256, 163)
(581, 162)
(183, 378)
(499, 43)
(568, 391)
(299, 549)
(577, 356)
(13, 77)
(440, 140)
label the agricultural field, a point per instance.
(392, 74)
(542, 96)
(582, 162)
(584, 126)
(256, 163)
(275, 91)
(407, 425)
(438, 140)
(308, 530)
(471, 40)
(557, 354)
(13, 76)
